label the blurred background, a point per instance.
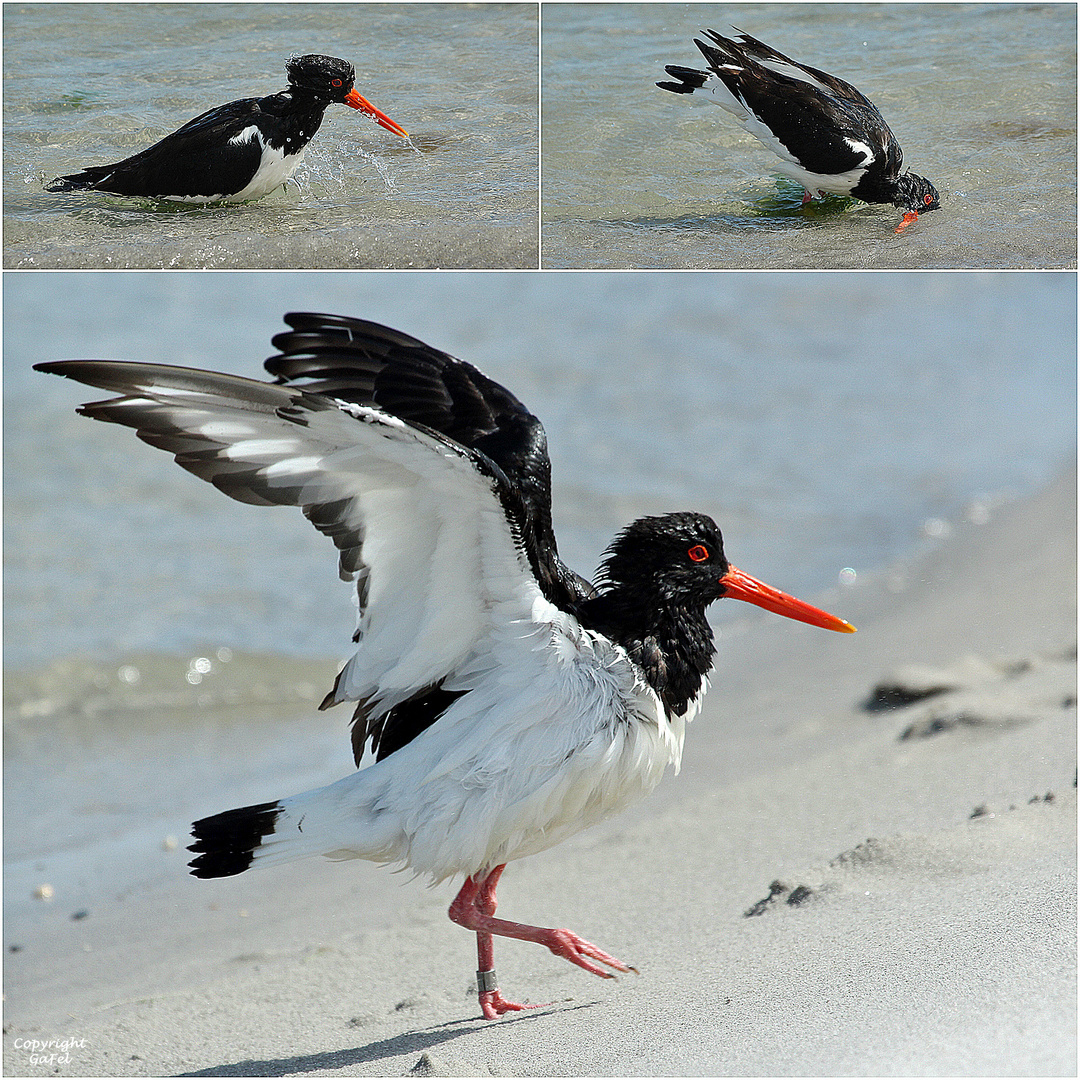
(830, 423)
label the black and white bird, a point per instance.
(239, 151)
(502, 702)
(829, 137)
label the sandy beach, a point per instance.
(867, 866)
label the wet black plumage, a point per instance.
(829, 136)
(238, 151)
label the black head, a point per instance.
(677, 562)
(324, 77)
(675, 558)
(916, 194)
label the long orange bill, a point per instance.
(742, 586)
(354, 100)
(908, 218)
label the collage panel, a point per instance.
(868, 830)
(684, 553)
(837, 123)
(430, 160)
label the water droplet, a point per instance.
(936, 528)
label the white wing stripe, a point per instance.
(225, 429)
(258, 449)
(444, 574)
(294, 466)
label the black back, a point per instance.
(199, 159)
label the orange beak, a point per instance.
(908, 218)
(742, 586)
(355, 101)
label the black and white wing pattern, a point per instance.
(429, 526)
(841, 131)
(366, 363)
(827, 134)
(774, 60)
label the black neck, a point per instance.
(672, 644)
(298, 113)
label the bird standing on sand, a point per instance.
(506, 702)
(828, 136)
(239, 151)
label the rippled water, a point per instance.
(462, 79)
(982, 98)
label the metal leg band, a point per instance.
(485, 981)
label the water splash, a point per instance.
(382, 168)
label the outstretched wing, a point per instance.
(420, 520)
(369, 364)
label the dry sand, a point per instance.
(912, 871)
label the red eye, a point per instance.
(928, 199)
(698, 553)
(336, 82)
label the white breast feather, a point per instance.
(274, 169)
(552, 740)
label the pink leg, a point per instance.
(474, 908)
(806, 196)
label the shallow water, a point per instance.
(982, 98)
(461, 79)
(828, 422)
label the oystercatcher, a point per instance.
(828, 136)
(239, 151)
(503, 702)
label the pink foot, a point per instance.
(493, 1005)
(577, 950)
(806, 197)
(474, 908)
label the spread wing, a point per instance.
(369, 364)
(427, 526)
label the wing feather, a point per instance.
(366, 363)
(418, 519)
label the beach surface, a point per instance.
(867, 865)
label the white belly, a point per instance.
(274, 169)
(508, 770)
